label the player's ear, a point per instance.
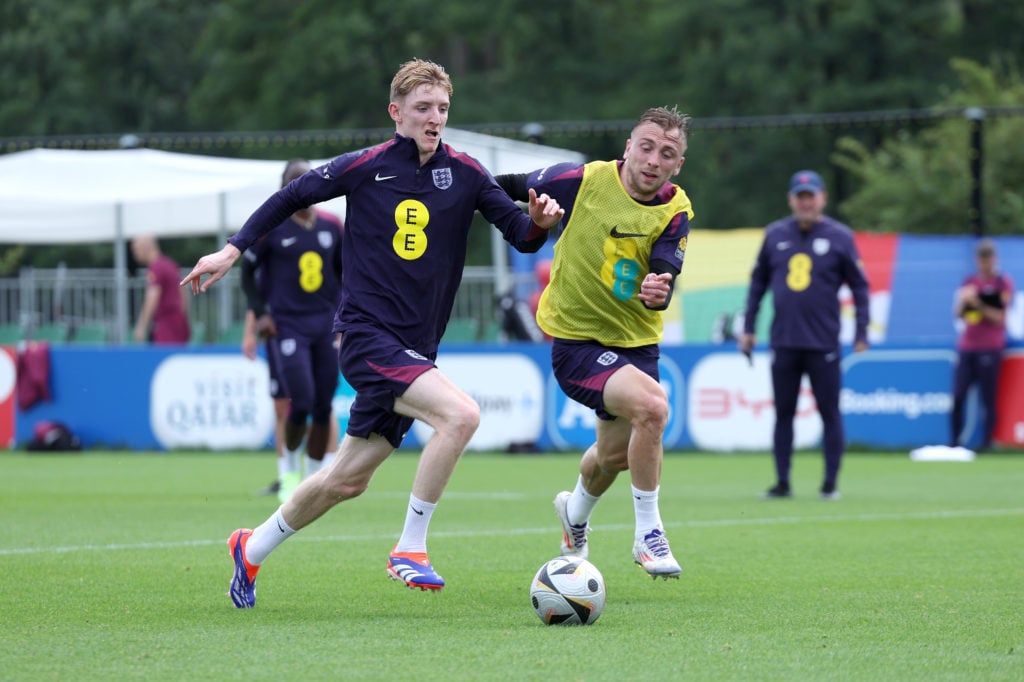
(395, 112)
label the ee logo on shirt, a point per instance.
(411, 218)
(621, 268)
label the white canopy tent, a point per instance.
(50, 196)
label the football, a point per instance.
(568, 591)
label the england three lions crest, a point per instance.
(820, 246)
(442, 178)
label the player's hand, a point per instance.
(654, 289)
(746, 346)
(860, 346)
(216, 265)
(544, 210)
(249, 345)
(968, 295)
(265, 326)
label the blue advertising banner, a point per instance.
(893, 398)
(214, 398)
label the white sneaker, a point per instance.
(574, 538)
(655, 557)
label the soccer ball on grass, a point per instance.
(568, 591)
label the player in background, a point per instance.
(289, 468)
(804, 260)
(981, 302)
(613, 272)
(294, 305)
(164, 304)
(410, 205)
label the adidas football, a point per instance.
(568, 591)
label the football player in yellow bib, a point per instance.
(615, 264)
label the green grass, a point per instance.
(113, 566)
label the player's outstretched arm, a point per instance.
(544, 210)
(216, 265)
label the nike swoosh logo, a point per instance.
(381, 178)
(782, 246)
(289, 241)
(620, 235)
(416, 510)
(279, 526)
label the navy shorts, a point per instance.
(583, 367)
(306, 368)
(380, 369)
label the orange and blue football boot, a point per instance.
(243, 583)
(414, 569)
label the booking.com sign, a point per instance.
(571, 425)
(896, 398)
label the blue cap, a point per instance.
(806, 181)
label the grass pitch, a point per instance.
(114, 566)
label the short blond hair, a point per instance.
(667, 119)
(417, 72)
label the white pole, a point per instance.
(120, 276)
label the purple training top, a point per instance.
(406, 232)
(300, 271)
(804, 271)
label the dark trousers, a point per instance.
(822, 368)
(981, 368)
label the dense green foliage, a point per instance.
(921, 183)
(88, 67)
(114, 568)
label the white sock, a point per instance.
(328, 459)
(581, 504)
(312, 466)
(283, 467)
(266, 537)
(291, 457)
(645, 505)
(417, 518)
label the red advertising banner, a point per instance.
(8, 394)
(1009, 406)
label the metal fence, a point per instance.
(67, 305)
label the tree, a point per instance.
(920, 182)
(90, 66)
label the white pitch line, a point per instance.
(709, 523)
